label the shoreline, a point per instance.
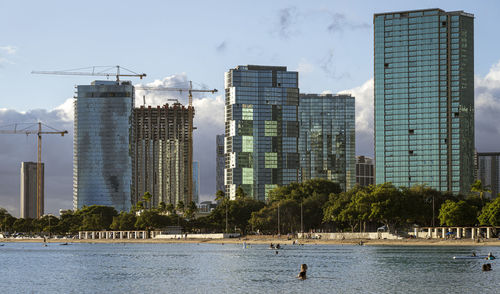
(265, 240)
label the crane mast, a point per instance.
(39, 132)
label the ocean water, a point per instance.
(230, 268)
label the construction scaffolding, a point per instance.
(162, 147)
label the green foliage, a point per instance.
(457, 213)
(477, 187)
(300, 191)
(96, 217)
(125, 221)
(191, 210)
(490, 215)
(150, 219)
(147, 199)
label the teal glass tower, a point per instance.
(424, 99)
(327, 138)
(262, 129)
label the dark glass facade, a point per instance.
(327, 138)
(261, 129)
(102, 162)
(424, 99)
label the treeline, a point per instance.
(312, 205)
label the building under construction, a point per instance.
(162, 149)
(29, 190)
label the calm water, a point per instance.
(215, 268)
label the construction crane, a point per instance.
(39, 133)
(190, 91)
(95, 71)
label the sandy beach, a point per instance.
(282, 240)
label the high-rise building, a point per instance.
(364, 171)
(261, 129)
(196, 182)
(327, 138)
(424, 99)
(161, 148)
(488, 172)
(102, 164)
(219, 169)
(29, 190)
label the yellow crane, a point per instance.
(39, 132)
(190, 91)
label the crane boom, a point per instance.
(39, 133)
(101, 73)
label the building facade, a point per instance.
(424, 99)
(102, 162)
(219, 168)
(29, 190)
(488, 171)
(162, 154)
(365, 175)
(261, 129)
(196, 182)
(327, 138)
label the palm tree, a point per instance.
(147, 198)
(163, 207)
(220, 196)
(479, 188)
(180, 206)
(170, 208)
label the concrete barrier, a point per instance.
(348, 236)
(196, 236)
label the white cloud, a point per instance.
(363, 96)
(304, 67)
(487, 108)
(8, 49)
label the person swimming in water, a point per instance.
(303, 272)
(490, 256)
(487, 267)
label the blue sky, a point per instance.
(331, 40)
(330, 43)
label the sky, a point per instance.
(330, 44)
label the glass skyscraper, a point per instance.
(424, 99)
(488, 172)
(261, 129)
(102, 162)
(219, 168)
(327, 138)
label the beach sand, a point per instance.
(281, 240)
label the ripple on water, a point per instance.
(212, 268)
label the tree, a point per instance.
(386, 205)
(220, 196)
(478, 187)
(170, 208)
(124, 221)
(490, 215)
(240, 211)
(147, 199)
(96, 217)
(457, 214)
(180, 206)
(191, 210)
(240, 193)
(163, 207)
